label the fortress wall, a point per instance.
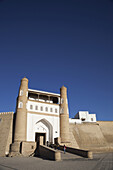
(107, 130)
(73, 142)
(89, 136)
(6, 123)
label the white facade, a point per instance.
(75, 121)
(84, 116)
(43, 116)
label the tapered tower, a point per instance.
(20, 128)
(21, 112)
(64, 116)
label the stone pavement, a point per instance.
(69, 156)
(69, 162)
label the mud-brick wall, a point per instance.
(89, 136)
(6, 128)
(107, 130)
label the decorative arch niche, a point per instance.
(47, 128)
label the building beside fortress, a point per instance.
(43, 118)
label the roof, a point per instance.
(44, 92)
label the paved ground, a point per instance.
(69, 162)
(68, 156)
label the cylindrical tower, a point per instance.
(64, 116)
(21, 112)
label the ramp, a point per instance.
(69, 156)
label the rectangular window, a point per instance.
(36, 107)
(41, 108)
(91, 119)
(46, 109)
(55, 110)
(31, 107)
(32, 147)
(51, 110)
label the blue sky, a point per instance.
(55, 43)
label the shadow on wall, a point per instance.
(14, 119)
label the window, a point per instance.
(21, 92)
(20, 105)
(32, 147)
(46, 109)
(55, 110)
(91, 119)
(62, 100)
(83, 119)
(41, 108)
(31, 107)
(36, 107)
(62, 110)
(51, 110)
(27, 94)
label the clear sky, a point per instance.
(55, 43)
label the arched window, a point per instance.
(21, 92)
(61, 110)
(62, 100)
(27, 94)
(20, 105)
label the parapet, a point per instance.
(5, 113)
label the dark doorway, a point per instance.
(38, 137)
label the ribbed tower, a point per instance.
(64, 116)
(21, 112)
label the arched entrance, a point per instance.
(44, 129)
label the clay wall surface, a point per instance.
(107, 130)
(90, 136)
(28, 148)
(6, 123)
